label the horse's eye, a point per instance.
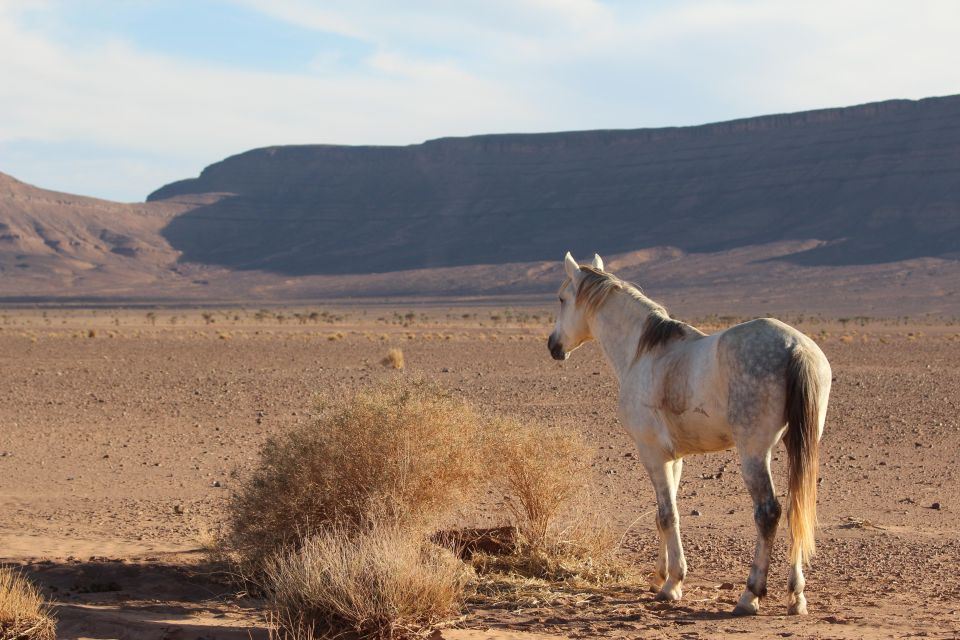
(561, 300)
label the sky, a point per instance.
(114, 98)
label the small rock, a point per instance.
(216, 483)
(178, 509)
(935, 506)
(695, 513)
(728, 586)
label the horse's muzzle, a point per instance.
(556, 349)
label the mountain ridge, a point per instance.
(852, 210)
(876, 171)
(636, 134)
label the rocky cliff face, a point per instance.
(880, 182)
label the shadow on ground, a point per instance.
(158, 597)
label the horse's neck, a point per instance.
(617, 326)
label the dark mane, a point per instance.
(659, 329)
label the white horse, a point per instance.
(684, 392)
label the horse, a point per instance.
(684, 392)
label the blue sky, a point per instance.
(116, 98)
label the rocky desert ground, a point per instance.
(123, 432)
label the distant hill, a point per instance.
(878, 182)
(60, 245)
(852, 211)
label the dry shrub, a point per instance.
(546, 477)
(404, 451)
(383, 582)
(23, 614)
(334, 524)
(543, 470)
(578, 551)
(394, 359)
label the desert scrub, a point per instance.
(404, 453)
(546, 480)
(381, 582)
(394, 359)
(23, 614)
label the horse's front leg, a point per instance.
(660, 574)
(671, 563)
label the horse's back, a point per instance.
(754, 357)
(763, 346)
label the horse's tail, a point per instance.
(802, 441)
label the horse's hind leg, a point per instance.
(766, 514)
(796, 601)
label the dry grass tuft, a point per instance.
(546, 477)
(404, 451)
(543, 470)
(23, 614)
(335, 524)
(581, 553)
(394, 359)
(383, 582)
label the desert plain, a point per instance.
(123, 432)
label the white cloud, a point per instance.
(438, 68)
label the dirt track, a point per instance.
(117, 452)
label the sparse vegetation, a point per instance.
(546, 481)
(394, 359)
(335, 524)
(406, 452)
(383, 582)
(23, 614)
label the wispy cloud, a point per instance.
(120, 103)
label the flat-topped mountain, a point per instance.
(878, 182)
(852, 211)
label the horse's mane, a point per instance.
(660, 329)
(596, 286)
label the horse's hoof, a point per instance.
(797, 606)
(669, 595)
(741, 610)
(748, 605)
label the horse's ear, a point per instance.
(571, 266)
(597, 262)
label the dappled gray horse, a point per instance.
(684, 392)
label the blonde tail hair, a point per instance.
(803, 451)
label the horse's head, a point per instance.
(571, 329)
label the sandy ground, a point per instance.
(122, 434)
